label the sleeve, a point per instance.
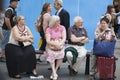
(69, 32)
(8, 13)
(48, 31)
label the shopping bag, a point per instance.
(104, 48)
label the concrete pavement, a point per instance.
(63, 73)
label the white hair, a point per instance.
(60, 2)
(53, 19)
(77, 18)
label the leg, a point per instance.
(69, 59)
(54, 74)
(58, 63)
(93, 65)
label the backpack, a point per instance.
(38, 24)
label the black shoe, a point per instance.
(75, 72)
(72, 72)
(16, 77)
(49, 68)
(35, 75)
(2, 59)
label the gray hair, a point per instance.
(60, 2)
(77, 18)
(53, 19)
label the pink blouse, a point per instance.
(55, 33)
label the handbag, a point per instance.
(54, 47)
(104, 48)
(26, 43)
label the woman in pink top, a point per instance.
(55, 38)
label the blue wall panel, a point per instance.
(89, 10)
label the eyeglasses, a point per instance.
(23, 19)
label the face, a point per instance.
(79, 23)
(22, 21)
(15, 4)
(49, 8)
(56, 5)
(112, 10)
(57, 23)
(103, 25)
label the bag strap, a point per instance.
(9, 9)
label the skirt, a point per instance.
(51, 55)
(19, 59)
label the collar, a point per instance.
(11, 7)
(59, 11)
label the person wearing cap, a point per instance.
(7, 25)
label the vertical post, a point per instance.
(78, 9)
(87, 64)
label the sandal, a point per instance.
(55, 77)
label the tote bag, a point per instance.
(104, 48)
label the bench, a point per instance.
(87, 64)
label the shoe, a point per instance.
(36, 76)
(2, 59)
(51, 77)
(92, 73)
(55, 77)
(72, 72)
(49, 68)
(16, 76)
(75, 72)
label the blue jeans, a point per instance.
(119, 31)
(6, 34)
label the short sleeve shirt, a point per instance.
(55, 33)
(78, 32)
(10, 13)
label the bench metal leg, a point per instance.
(87, 64)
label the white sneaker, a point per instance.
(37, 77)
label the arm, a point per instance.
(46, 18)
(8, 15)
(7, 21)
(63, 37)
(18, 37)
(48, 39)
(79, 39)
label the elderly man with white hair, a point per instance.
(62, 13)
(77, 38)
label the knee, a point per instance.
(69, 54)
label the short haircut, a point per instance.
(60, 2)
(77, 18)
(53, 19)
